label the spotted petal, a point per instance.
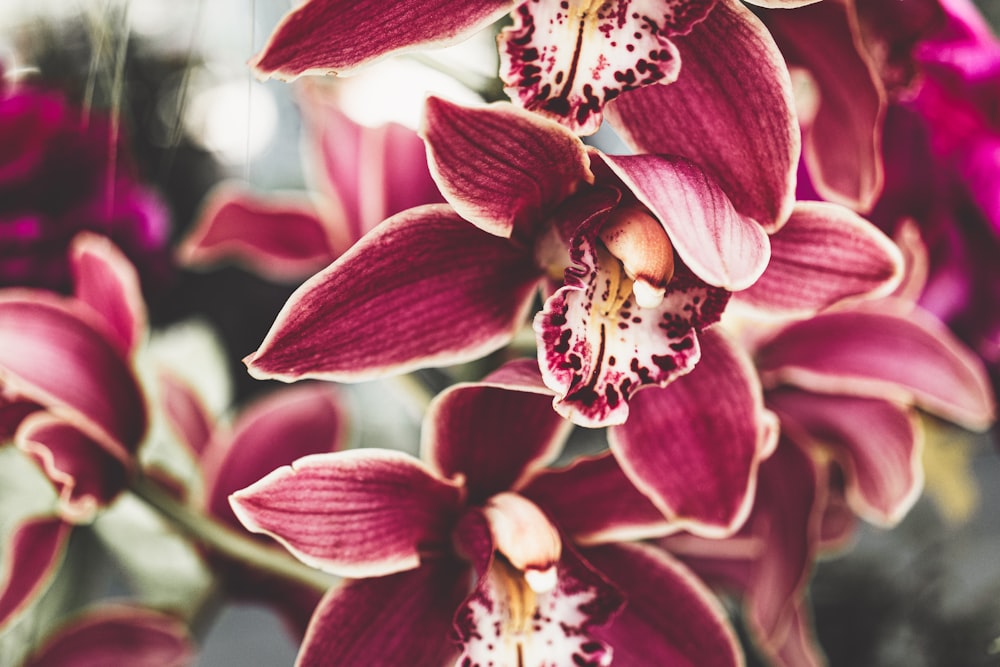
(424, 288)
(361, 513)
(733, 116)
(565, 60)
(694, 447)
(322, 36)
(597, 346)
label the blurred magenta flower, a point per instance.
(62, 172)
(72, 401)
(361, 176)
(480, 507)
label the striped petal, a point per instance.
(358, 513)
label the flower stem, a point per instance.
(226, 541)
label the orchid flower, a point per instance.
(565, 60)
(654, 246)
(72, 401)
(844, 385)
(411, 533)
(363, 175)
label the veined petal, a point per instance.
(271, 432)
(907, 356)
(278, 236)
(733, 116)
(84, 474)
(877, 443)
(399, 619)
(504, 622)
(30, 560)
(502, 169)
(823, 255)
(493, 436)
(357, 513)
(321, 36)
(565, 60)
(597, 347)
(696, 458)
(671, 617)
(424, 288)
(593, 502)
(117, 635)
(104, 279)
(59, 354)
(720, 246)
(841, 146)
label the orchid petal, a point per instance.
(279, 236)
(907, 357)
(671, 617)
(321, 36)
(358, 513)
(30, 560)
(117, 635)
(55, 352)
(781, 4)
(271, 432)
(800, 647)
(841, 147)
(823, 255)
(597, 347)
(593, 502)
(719, 245)
(877, 443)
(493, 436)
(185, 413)
(697, 459)
(400, 619)
(733, 116)
(84, 474)
(106, 280)
(501, 168)
(505, 620)
(565, 60)
(424, 288)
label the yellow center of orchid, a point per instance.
(643, 252)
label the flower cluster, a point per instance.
(666, 374)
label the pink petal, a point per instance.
(118, 635)
(493, 436)
(322, 36)
(185, 413)
(357, 513)
(501, 622)
(800, 647)
(30, 560)
(732, 115)
(781, 4)
(105, 279)
(719, 245)
(285, 425)
(593, 502)
(367, 173)
(85, 476)
(877, 443)
(906, 356)
(501, 168)
(400, 619)
(671, 618)
(566, 60)
(823, 255)
(597, 347)
(424, 288)
(697, 459)
(280, 237)
(55, 352)
(842, 145)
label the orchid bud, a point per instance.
(637, 240)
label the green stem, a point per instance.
(228, 542)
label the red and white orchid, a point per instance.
(412, 533)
